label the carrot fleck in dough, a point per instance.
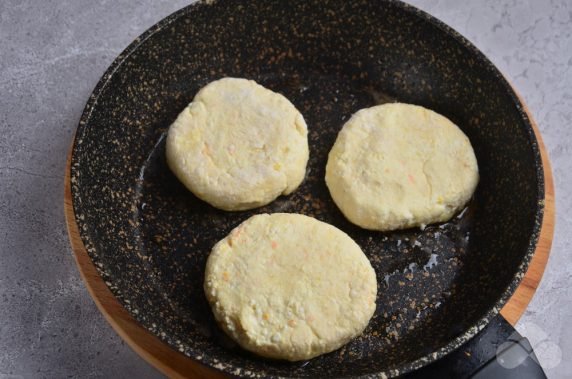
(288, 298)
(396, 166)
(238, 145)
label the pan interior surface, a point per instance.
(150, 237)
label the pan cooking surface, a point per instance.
(150, 237)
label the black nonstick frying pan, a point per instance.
(149, 237)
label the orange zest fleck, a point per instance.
(274, 244)
(411, 179)
(206, 150)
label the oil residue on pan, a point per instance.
(149, 236)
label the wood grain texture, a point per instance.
(176, 365)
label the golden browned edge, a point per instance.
(176, 365)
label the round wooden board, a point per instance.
(176, 365)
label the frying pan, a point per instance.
(149, 237)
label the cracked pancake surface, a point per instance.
(395, 166)
(288, 286)
(238, 145)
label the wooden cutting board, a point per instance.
(176, 365)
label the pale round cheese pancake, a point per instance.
(396, 166)
(238, 145)
(288, 286)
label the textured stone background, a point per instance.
(52, 54)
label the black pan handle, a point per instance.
(497, 352)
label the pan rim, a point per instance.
(453, 344)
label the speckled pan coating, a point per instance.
(149, 237)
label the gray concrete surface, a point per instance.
(51, 55)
